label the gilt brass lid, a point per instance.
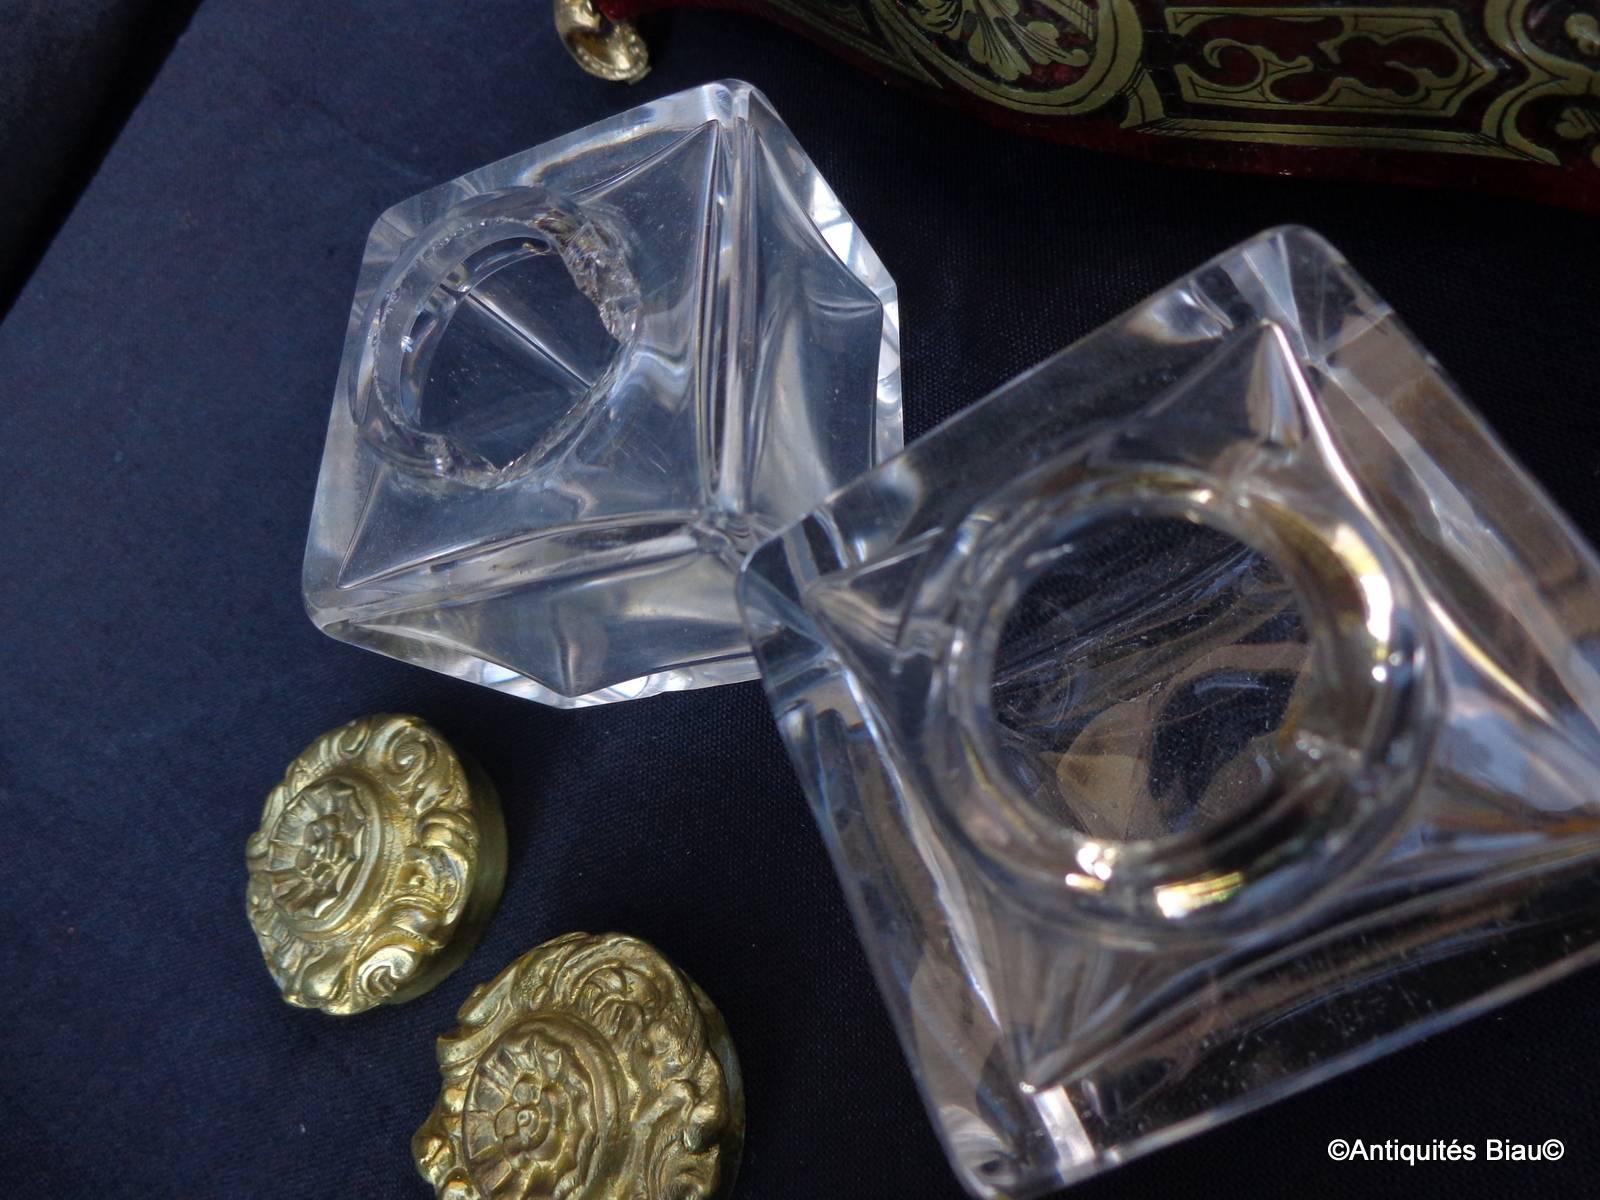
(589, 1069)
(379, 859)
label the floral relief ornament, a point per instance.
(589, 1069)
(378, 860)
(999, 36)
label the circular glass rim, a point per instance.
(1302, 832)
(461, 250)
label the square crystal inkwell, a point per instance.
(579, 384)
(1210, 709)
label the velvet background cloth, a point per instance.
(70, 72)
(165, 379)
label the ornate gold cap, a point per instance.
(589, 1069)
(379, 859)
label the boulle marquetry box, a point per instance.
(1502, 95)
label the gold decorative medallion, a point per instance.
(589, 1069)
(379, 859)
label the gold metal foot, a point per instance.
(607, 49)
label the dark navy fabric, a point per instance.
(70, 72)
(164, 385)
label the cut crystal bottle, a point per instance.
(580, 384)
(1210, 709)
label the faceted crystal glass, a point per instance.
(1206, 711)
(580, 384)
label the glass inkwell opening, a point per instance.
(1178, 709)
(494, 337)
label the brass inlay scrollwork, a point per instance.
(1584, 30)
(1582, 123)
(997, 35)
(1325, 75)
(1429, 95)
(1435, 78)
(1060, 56)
